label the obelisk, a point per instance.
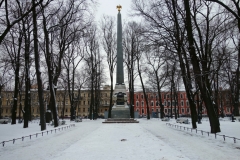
(120, 108)
(119, 73)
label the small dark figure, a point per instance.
(20, 121)
(233, 118)
(199, 119)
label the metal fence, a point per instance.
(36, 134)
(202, 132)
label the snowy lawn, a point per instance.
(150, 139)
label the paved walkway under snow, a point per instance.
(91, 140)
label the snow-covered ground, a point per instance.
(91, 139)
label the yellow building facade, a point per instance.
(62, 101)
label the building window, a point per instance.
(84, 95)
(156, 103)
(83, 109)
(181, 96)
(169, 104)
(137, 103)
(88, 94)
(66, 110)
(165, 103)
(181, 103)
(88, 102)
(168, 96)
(142, 104)
(142, 111)
(152, 109)
(182, 110)
(142, 96)
(187, 103)
(6, 110)
(152, 104)
(188, 110)
(157, 110)
(84, 102)
(165, 110)
(137, 96)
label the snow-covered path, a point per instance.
(120, 141)
(150, 139)
(195, 146)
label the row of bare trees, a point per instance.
(194, 41)
(45, 42)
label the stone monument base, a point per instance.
(120, 120)
(120, 112)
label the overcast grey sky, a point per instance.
(108, 7)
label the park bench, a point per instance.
(165, 119)
(78, 120)
(63, 122)
(60, 123)
(3, 121)
(182, 120)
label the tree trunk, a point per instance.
(27, 104)
(144, 91)
(38, 73)
(16, 90)
(49, 61)
(205, 92)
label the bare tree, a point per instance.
(38, 72)
(9, 19)
(234, 9)
(165, 27)
(91, 58)
(156, 70)
(205, 86)
(73, 56)
(13, 48)
(132, 46)
(4, 79)
(109, 46)
(63, 26)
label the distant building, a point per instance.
(83, 104)
(62, 101)
(182, 104)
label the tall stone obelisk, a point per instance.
(120, 75)
(120, 108)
